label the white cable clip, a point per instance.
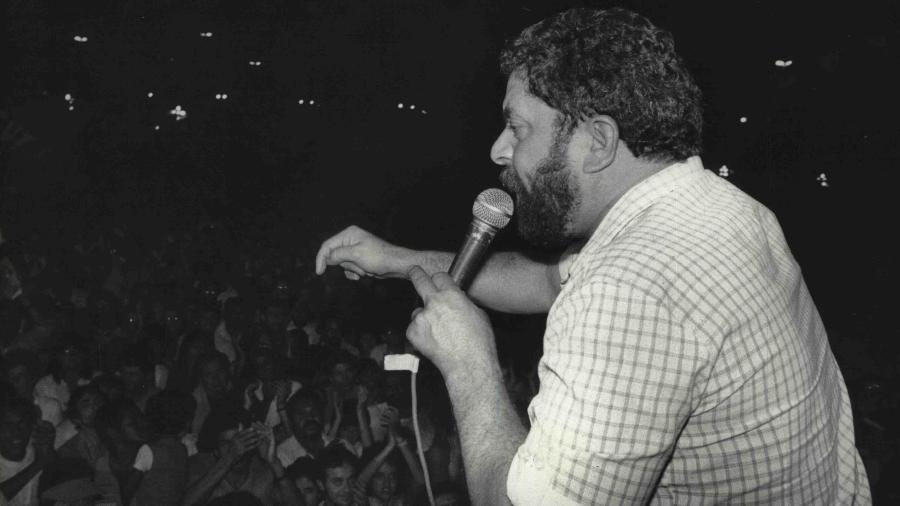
(401, 362)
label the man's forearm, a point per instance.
(508, 281)
(14, 485)
(490, 433)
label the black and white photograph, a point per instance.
(449, 253)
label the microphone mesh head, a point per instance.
(494, 207)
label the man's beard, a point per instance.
(544, 214)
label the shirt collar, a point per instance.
(638, 198)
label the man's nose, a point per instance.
(501, 151)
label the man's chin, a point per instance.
(543, 239)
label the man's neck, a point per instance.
(614, 183)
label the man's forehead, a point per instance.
(520, 103)
(340, 472)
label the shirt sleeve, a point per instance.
(144, 459)
(616, 384)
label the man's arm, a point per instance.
(198, 492)
(14, 485)
(490, 433)
(508, 281)
(457, 336)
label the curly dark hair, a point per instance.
(615, 62)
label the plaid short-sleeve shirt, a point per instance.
(685, 363)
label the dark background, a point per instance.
(296, 173)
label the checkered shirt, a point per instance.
(685, 363)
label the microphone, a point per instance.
(491, 212)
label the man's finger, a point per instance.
(422, 282)
(332, 243)
(443, 281)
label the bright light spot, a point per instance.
(412, 107)
(68, 97)
(150, 95)
(225, 96)
(743, 119)
(724, 171)
(79, 38)
(156, 127)
(823, 180)
(206, 34)
(179, 113)
(783, 63)
(255, 63)
(71, 107)
(424, 111)
(400, 105)
(300, 101)
(312, 102)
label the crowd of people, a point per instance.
(201, 370)
(182, 376)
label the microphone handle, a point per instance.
(471, 254)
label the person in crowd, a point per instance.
(384, 468)
(77, 439)
(350, 426)
(161, 465)
(238, 455)
(340, 380)
(195, 345)
(138, 376)
(339, 468)
(123, 429)
(111, 386)
(306, 474)
(26, 449)
(267, 392)
(67, 370)
(43, 329)
(84, 403)
(274, 332)
(173, 322)
(680, 329)
(151, 342)
(214, 389)
(305, 419)
(229, 333)
(23, 370)
(392, 343)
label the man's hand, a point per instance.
(450, 330)
(282, 392)
(360, 254)
(42, 438)
(244, 441)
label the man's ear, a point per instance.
(604, 142)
